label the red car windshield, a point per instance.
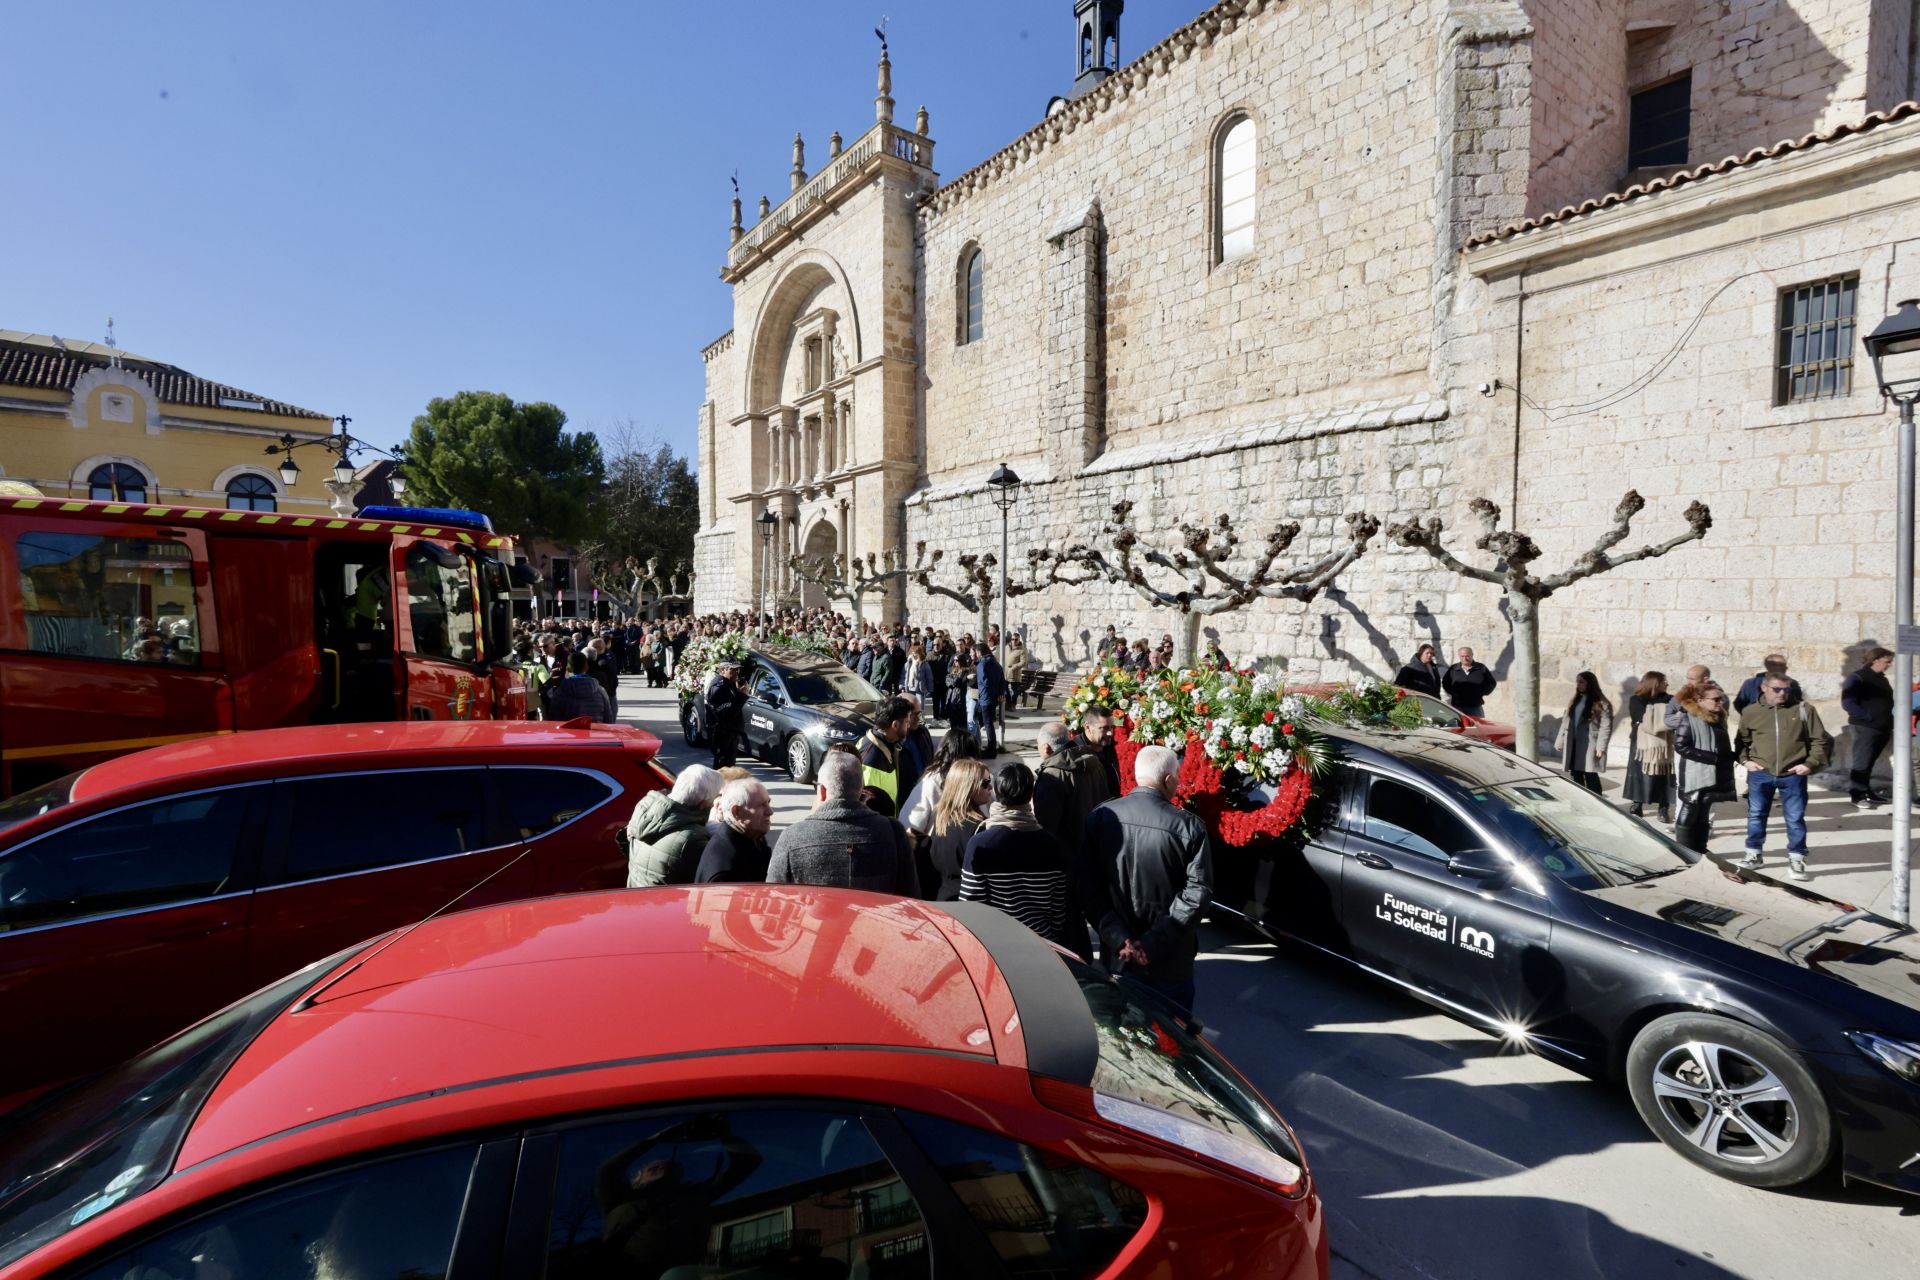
(57, 794)
(83, 1149)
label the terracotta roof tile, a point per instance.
(26, 364)
(1786, 146)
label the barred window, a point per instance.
(1659, 122)
(1234, 190)
(1815, 360)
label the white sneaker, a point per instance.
(1751, 862)
(1797, 869)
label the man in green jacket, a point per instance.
(1780, 746)
(668, 830)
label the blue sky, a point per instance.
(356, 207)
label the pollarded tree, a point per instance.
(1513, 573)
(978, 582)
(656, 591)
(1207, 584)
(851, 581)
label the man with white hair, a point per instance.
(668, 830)
(842, 843)
(737, 852)
(1159, 878)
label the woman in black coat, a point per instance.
(959, 681)
(1422, 675)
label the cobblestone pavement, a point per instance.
(1442, 1155)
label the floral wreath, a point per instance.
(1249, 754)
(700, 657)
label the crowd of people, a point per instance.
(1056, 848)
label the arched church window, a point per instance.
(247, 492)
(1234, 190)
(972, 268)
(116, 482)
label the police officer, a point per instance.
(725, 703)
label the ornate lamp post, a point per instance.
(1004, 485)
(1895, 348)
(766, 520)
(340, 481)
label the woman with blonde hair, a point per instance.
(965, 794)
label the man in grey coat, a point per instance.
(842, 843)
(1159, 874)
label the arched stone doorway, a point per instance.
(823, 541)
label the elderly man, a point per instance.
(842, 843)
(737, 853)
(668, 830)
(1159, 878)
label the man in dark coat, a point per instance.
(579, 694)
(725, 705)
(1159, 874)
(1468, 684)
(1096, 740)
(737, 851)
(1069, 785)
(990, 682)
(1868, 700)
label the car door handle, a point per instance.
(189, 934)
(1373, 860)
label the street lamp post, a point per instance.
(1005, 487)
(766, 520)
(1898, 337)
(341, 481)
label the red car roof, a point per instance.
(384, 744)
(603, 978)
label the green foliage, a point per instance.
(513, 461)
(647, 509)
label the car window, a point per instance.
(718, 1193)
(535, 801)
(828, 685)
(122, 599)
(1148, 1058)
(363, 821)
(76, 1152)
(172, 850)
(394, 1220)
(440, 604)
(31, 803)
(765, 687)
(1398, 815)
(1576, 836)
(1438, 713)
(1047, 1217)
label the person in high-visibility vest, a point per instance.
(880, 749)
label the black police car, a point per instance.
(798, 705)
(1760, 1027)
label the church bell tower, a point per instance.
(1096, 25)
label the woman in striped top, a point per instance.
(1014, 863)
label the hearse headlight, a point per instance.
(1902, 1057)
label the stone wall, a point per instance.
(1579, 146)
(1329, 308)
(1647, 361)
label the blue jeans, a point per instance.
(1792, 788)
(983, 715)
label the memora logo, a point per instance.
(1476, 940)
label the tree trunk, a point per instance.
(1525, 680)
(1186, 641)
(859, 614)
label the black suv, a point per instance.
(798, 705)
(1761, 1028)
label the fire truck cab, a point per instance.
(128, 625)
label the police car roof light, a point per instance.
(431, 515)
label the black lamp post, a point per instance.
(766, 520)
(1004, 485)
(344, 447)
(1895, 348)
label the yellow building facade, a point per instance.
(82, 420)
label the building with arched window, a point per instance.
(1296, 261)
(88, 420)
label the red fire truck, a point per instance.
(128, 625)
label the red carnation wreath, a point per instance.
(1203, 790)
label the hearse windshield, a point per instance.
(1577, 837)
(828, 684)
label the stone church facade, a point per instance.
(1305, 258)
